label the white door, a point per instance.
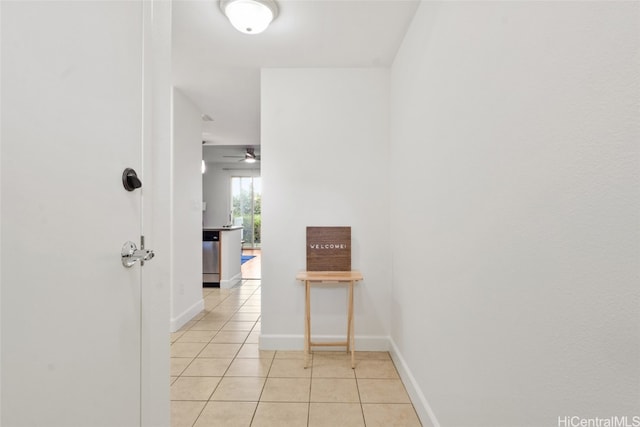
(72, 121)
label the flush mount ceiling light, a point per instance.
(250, 16)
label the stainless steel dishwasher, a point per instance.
(210, 258)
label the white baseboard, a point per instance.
(227, 284)
(179, 321)
(296, 342)
(425, 413)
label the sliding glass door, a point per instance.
(246, 198)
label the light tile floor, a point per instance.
(219, 377)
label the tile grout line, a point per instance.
(310, 389)
(364, 421)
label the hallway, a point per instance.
(220, 378)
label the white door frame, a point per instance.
(156, 214)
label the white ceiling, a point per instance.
(218, 68)
(229, 155)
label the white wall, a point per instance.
(515, 156)
(186, 233)
(216, 192)
(324, 144)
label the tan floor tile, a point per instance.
(326, 354)
(332, 367)
(179, 364)
(246, 389)
(220, 350)
(270, 414)
(229, 307)
(375, 355)
(245, 317)
(252, 285)
(193, 388)
(249, 292)
(227, 414)
(249, 309)
(253, 338)
(187, 325)
(289, 368)
(172, 380)
(252, 350)
(390, 415)
(286, 390)
(209, 306)
(207, 367)
(200, 315)
(234, 337)
(382, 391)
(290, 354)
(249, 368)
(335, 414)
(219, 314)
(196, 336)
(207, 325)
(186, 349)
(175, 335)
(184, 414)
(376, 369)
(334, 390)
(238, 326)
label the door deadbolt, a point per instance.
(130, 179)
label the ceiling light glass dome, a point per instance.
(249, 16)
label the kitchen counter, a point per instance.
(221, 254)
(233, 227)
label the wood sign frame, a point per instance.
(328, 248)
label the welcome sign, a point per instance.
(328, 248)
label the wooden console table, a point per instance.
(319, 277)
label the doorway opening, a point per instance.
(246, 211)
(246, 208)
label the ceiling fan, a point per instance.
(249, 156)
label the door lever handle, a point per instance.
(131, 254)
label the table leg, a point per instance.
(350, 336)
(307, 323)
(349, 310)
